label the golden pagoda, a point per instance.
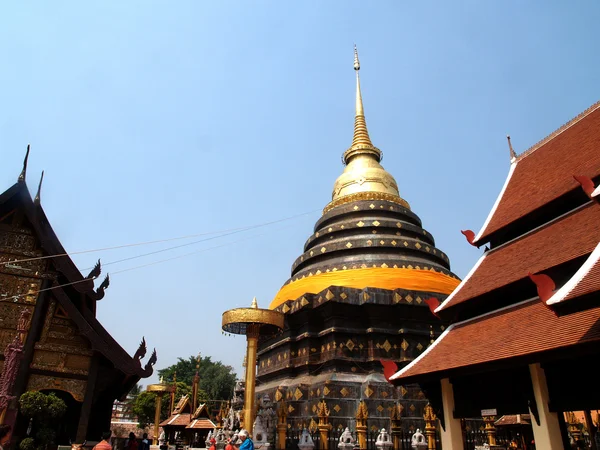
(357, 294)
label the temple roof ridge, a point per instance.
(559, 130)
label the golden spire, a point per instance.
(361, 142)
(254, 303)
(363, 178)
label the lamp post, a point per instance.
(159, 389)
(252, 322)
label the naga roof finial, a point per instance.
(513, 155)
(37, 198)
(23, 174)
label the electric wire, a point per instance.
(221, 233)
(14, 298)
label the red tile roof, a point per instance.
(545, 171)
(176, 420)
(585, 281)
(517, 419)
(203, 424)
(527, 328)
(562, 240)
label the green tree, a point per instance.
(216, 379)
(45, 410)
(144, 405)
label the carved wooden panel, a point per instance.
(74, 387)
(8, 265)
(78, 363)
(27, 287)
(17, 242)
(61, 347)
(9, 317)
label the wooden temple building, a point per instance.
(524, 334)
(356, 295)
(49, 334)
(189, 424)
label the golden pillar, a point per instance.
(252, 322)
(252, 334)
(430, 419)
(159, 389)
(490, 429)
(362, 414)
(323, 426)
(396, 427)
(281, 426)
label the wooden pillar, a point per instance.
(362, 414)
(396, 427)
(324, 426)
(281, 426)
(547, 434)
(452, 437)
(86, 407)
(430, 422)
(490, 429)
(589, 424)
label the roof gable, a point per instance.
(545, 172)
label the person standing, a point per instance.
(247, 443)
(132, 443)
(104, 444)
(145, 442)
(4, 435)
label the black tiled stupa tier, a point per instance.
(369, 234)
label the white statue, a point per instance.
(306, 442)
(346, 440)
(383, 441)
(260, 434)
(418, 440)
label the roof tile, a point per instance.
(524, 329)
(545, 172)
(567, 238)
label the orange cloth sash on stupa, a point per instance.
(376, 277)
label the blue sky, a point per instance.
(162, 119)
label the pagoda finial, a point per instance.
(254, 303)
(361, 142)
(359, 104)
(23, 174)
(37, 198)
(513, 155)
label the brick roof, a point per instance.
(545, 171)
(526, 329)
(562, 240)
(203, 424)
(176, 420)
(585, 281)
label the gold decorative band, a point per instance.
(252, 316)
(382, 278)
(358, 196)
(159, 388)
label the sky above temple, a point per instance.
(155, 120)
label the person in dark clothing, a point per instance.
(145, 445)
(132, 443)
